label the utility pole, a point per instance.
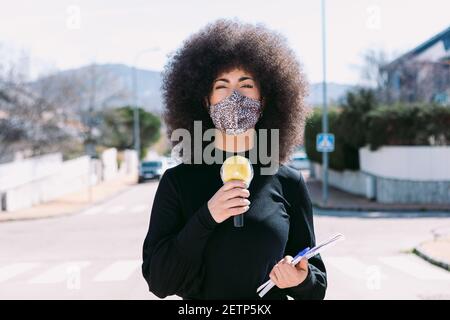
(136, 128)
(325, 106)
(91, 144)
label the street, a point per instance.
(96, 254)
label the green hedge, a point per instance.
(359, 122)
(410, 125)
(344, 156)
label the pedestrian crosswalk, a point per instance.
(112, 209)
(64, 272)
(348, 267)
(118, 271)
(407, 265)
(10, 271)
(419, 269)
(60, 273)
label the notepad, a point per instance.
(306, 253)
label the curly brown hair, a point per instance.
(221, 46)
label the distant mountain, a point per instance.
(111, 85)
(107, 85)
(148, 85)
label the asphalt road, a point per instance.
(96, 254)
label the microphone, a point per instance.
(237, 168)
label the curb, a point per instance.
(381, 209)
(430, 259)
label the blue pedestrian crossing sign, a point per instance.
(325, 142)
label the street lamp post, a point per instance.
(136, 128)
(325, 108)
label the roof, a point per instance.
(442, 36)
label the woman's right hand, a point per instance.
(230, 200)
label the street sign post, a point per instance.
(325, 142)
(324, 139)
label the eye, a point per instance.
(247, 86)
(220, 87)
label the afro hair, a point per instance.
(221, 46)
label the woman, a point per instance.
(237, 79)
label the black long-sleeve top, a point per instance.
(187, 253)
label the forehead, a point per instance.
(235, 72)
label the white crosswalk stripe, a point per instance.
(357, 268)
(114, 210)
(60, 273)
(354, 267)
(118, 271)
(139, 208)
(12, 270)
(93, 210)
(416, 267)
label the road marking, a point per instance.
(114, 209)
(12, 270)
(416, 267)
(60, 273)
(118, 271)
(93, 210)
(139, 208)
(352, 267)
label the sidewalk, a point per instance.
(73, 202)
(435, 251)
(341, 200)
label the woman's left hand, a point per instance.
(286, 275)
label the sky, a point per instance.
(63, 34)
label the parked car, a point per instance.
(154, 169)
(150, 169)
(299, 161)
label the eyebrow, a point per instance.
(240, 79)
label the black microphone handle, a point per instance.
(239, 220)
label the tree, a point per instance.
(57, 112)
(116, 130)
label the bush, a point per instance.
(343, 156)
(348, 124)
(408, 125)
(356, 124)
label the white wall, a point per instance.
(40, 179)
(130, 161)
(417, 163)
(17, 173)
(109, 161)
(70, 176)
(355, 182)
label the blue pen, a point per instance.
(301, 253)
(265, 287)
(306, 253)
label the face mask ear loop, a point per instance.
(208, 105)
(262, 107)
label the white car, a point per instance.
(150, 169)
(299, 161)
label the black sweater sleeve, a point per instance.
(301, 219)
(173, 247)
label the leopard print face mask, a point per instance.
(236, 113)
